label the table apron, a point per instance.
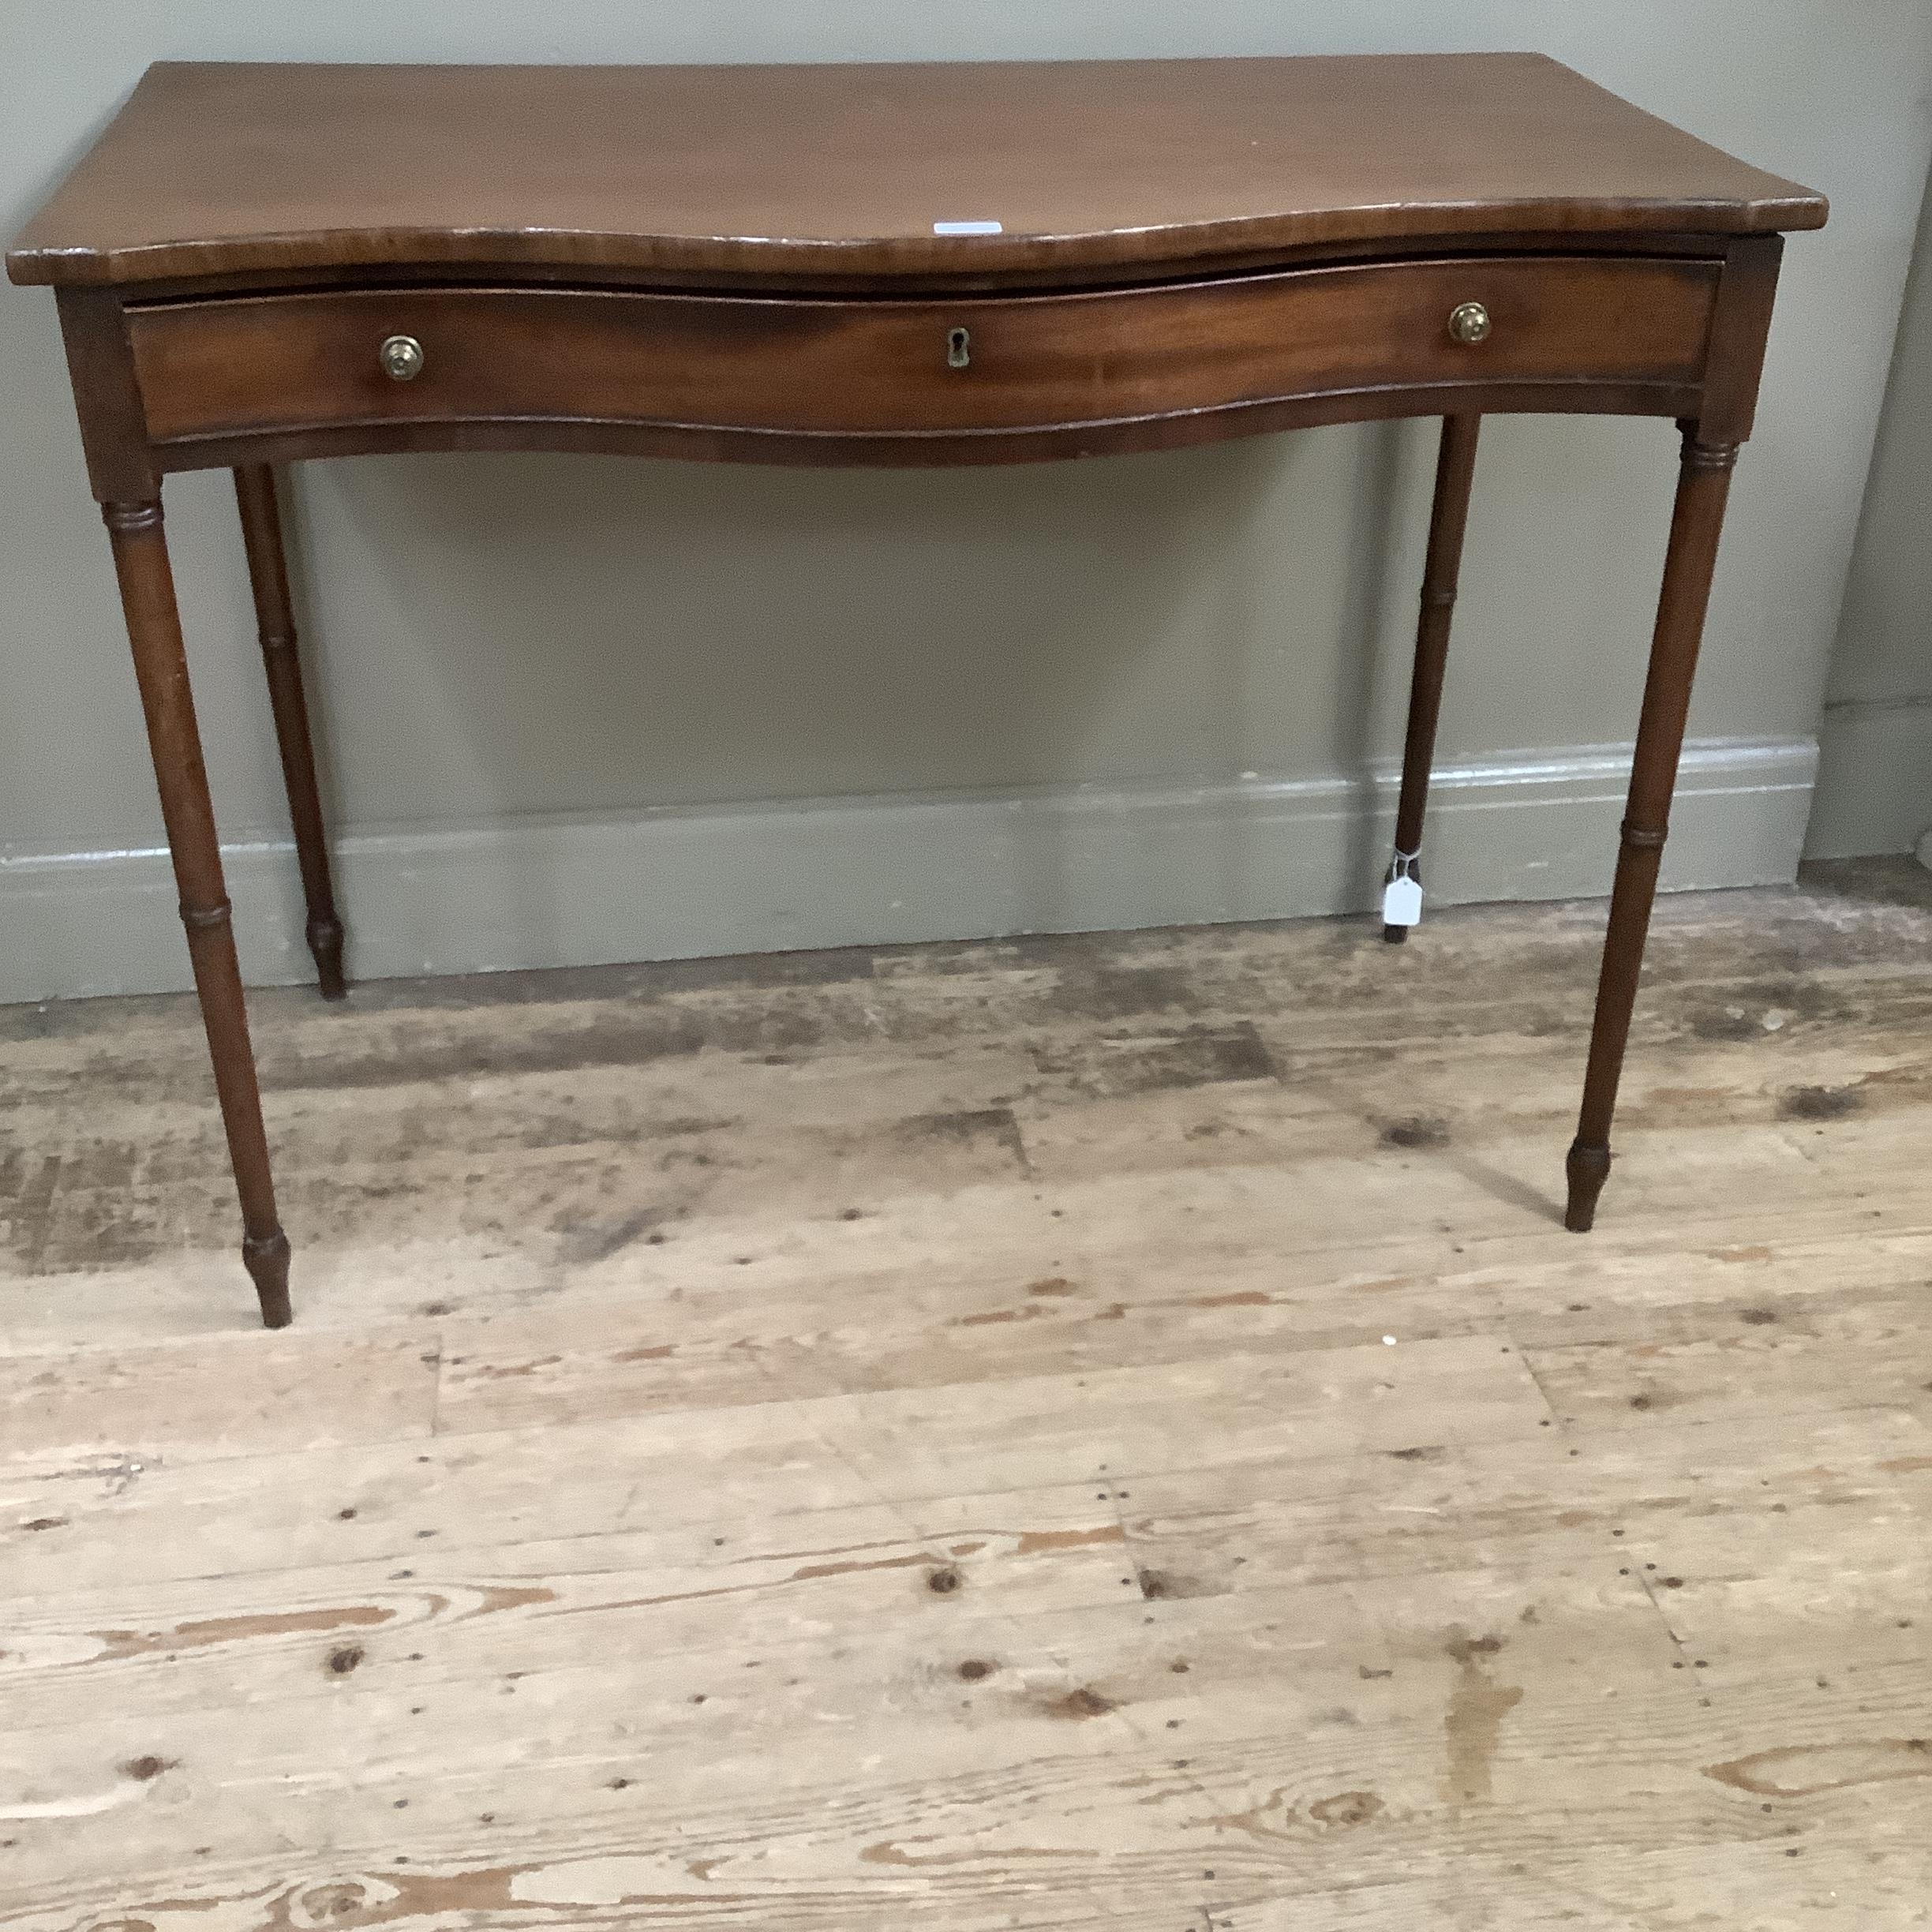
(992, 378)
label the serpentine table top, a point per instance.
(805, 173)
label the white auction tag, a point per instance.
(1402, 903)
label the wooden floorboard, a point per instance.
(1060, 1433)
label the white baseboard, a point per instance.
(1874, 791)
(677, 884)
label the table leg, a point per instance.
(161, 665)
(275, 617)
(1455, 469)
(1704, 482)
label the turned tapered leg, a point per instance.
(1703, 484)
(154, 630)
(1455, 469)
(275, 617)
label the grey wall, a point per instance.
(576, 709)
(1874, 788)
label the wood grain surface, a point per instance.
(224, 367)
(218, 168)
(1067, 1433)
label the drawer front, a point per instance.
(884, 366)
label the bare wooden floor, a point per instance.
(1081, 1433)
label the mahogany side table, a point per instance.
(937, 264)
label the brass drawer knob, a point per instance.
(1469, 323)
(402, 358)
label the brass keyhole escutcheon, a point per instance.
(402, 358)
(1469, 324)
(959, 348)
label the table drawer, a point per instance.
(883, 366)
